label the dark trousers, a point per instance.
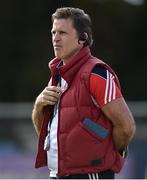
(101, 175)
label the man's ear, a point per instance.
(83, 37)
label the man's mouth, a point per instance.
(57, 46)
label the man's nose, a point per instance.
(56, 37)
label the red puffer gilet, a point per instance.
(79, 149)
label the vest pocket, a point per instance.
(96, 129)
(84, 148)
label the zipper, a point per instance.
(58, 173)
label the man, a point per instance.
(81, 117)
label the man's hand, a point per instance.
(49, 96)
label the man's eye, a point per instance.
(53, 32)
(62, 32)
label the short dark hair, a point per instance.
(81, 22)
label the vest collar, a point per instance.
(69, 70)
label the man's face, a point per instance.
(65, 39)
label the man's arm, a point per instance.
(124, 125)
(104, 89)
(37, 116)
(49, 96)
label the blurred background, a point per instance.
(120, 39)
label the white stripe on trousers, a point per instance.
(93, 176)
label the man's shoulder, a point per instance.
(100, 71)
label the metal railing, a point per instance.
(24, 109)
